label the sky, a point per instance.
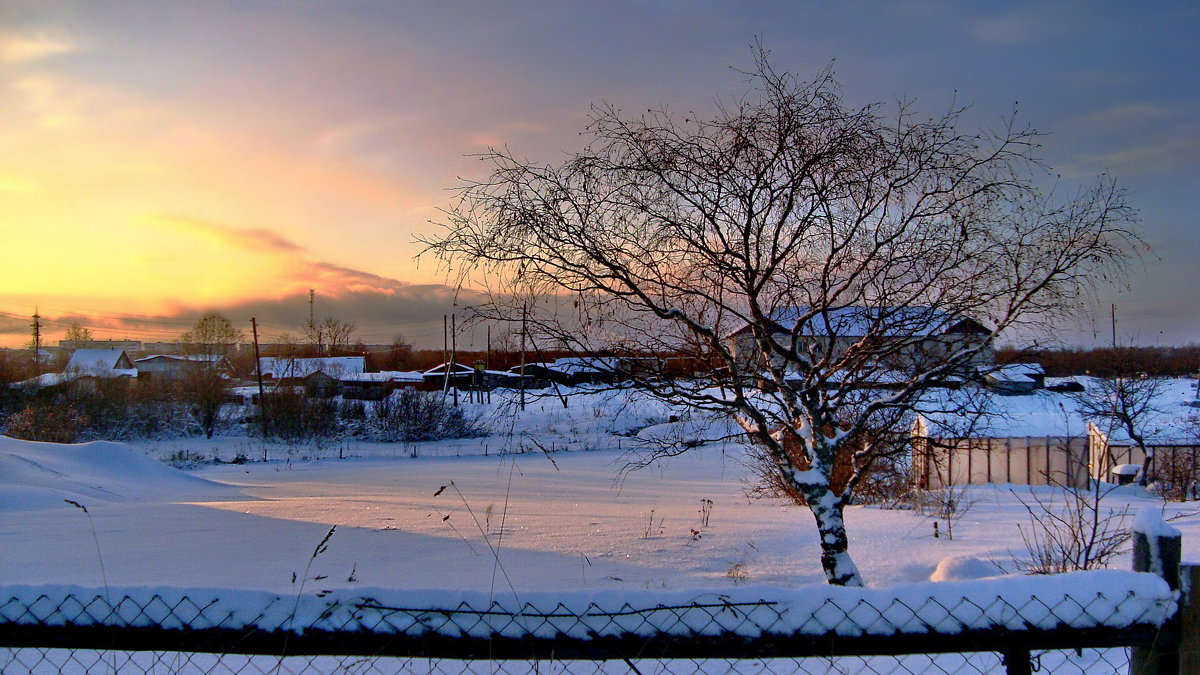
(162, 159)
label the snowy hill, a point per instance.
(36, 475)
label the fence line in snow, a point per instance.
(1010, 616)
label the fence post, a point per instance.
(1017, 662)
(1189, 619)
(1157, 548)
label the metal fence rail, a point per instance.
(58, 629)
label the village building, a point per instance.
(973, 438)
(100, 363)
(320, 377)
(1015, 378)
(921, 335)
(377, 386)
(178, 366)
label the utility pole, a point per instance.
(487, 361)
(262, 410)
(454, 349)
(445, 357)
(524, 329)
(312, 323)
(1114, 326)
(37, 337)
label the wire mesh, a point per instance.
(59, 630)
(81, 661)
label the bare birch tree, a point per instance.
(806, 249)
(1131, 405)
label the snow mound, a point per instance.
(1095, 599)
(964, 568)
(38, 475)
(1149, 521)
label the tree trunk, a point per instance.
(840, 569)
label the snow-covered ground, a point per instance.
(515, 519)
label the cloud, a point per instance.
(30, 47)
(415, 311)
(1008, 29)
(344, 280)
(1119, 117)
(256, 240)
(1151, 157)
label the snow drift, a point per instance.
(38, 475)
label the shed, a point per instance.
(1015, 378)
(1027, 440)
(101, 363)
(181, 365)
(377, 386)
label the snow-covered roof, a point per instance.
(976, 414)
(1022, 373)
(385, 376)
(46, 380)
(202, 358)
(103, 362)
(440, 369)
(576, 365)
(333, 366)
(585, 364)
(861, 321)
(1046, 413)
(865, 377)
(1169, 420)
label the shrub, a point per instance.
(48, 421)
(410, 416)
(292, 417)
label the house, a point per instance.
(974, 438)
(295, 369)
(449, 374)
(465, 377)
(377, 386)
(100, 363)
(1015, 378)
(175, 366)
(575, 370)
(320, 377)
(919, 334)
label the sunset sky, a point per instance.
(159, 159)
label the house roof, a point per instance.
(859, 321)
(385, 376)
(333, 366)
(100, 362)
(971, 413)
(440, 369)
(1168, 420)
(576, 365)
(202, 358)
(1022, 373)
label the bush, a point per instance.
(48, 421)
(115, 409)
(410, 416)
(1078, 533)
(292, 417)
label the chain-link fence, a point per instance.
(1079, 622)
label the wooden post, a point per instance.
(1189, 619)
(262, 410)
(1017, 662)
(1157, 548)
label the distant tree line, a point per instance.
(1109, 361)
